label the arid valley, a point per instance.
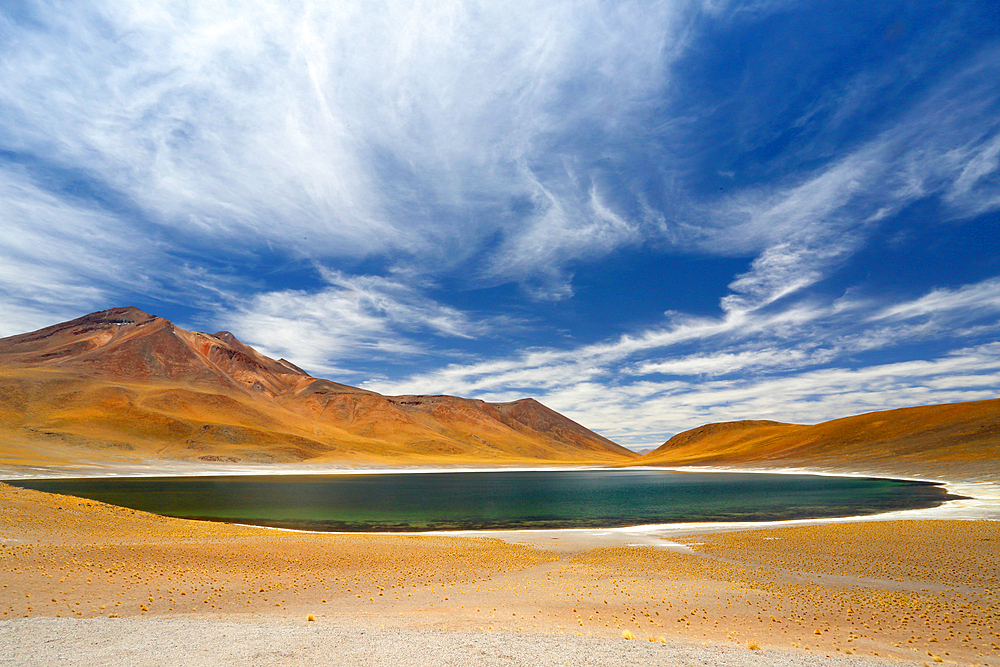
(104, 396)
(499, 333)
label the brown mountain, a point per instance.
(123, 384)
(959, 438)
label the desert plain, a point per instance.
(122, 392)
(82, 581)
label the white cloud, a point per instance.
(446, 138)
(725, 363)
(632, 414)
(945, 145)
(58, 260)
(352, 316)
(794, 365)
(968, 301)
(343, 129)
(547, 369)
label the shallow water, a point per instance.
(500, 500)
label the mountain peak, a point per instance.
(112, 316)
(75, 337)
(130, 344)
(126, 312)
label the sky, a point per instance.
(647, 215)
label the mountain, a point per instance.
(122, 384)
(934, 439)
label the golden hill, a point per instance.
(123, 385)
(956, 437)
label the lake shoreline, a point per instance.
(602, 534)
(800, 593)
(980, 500)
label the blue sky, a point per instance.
(648, 215)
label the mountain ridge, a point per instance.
(934, 439)
(133, 384)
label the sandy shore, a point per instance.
(912, 590)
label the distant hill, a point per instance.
(938, 439)
(122, 384)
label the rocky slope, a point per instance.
(122, 384)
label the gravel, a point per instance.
(181, 641)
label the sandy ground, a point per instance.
(184, 641)
(91, 583)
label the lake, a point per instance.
(499, 500)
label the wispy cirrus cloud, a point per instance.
(802, 364)
(657, 410)
(941, 147)
(412, 162)
(727, 363)
(493, 142)
(56, 257)
(352, 316)
(415, 132)
(965, 302)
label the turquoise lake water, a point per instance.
(500, 500)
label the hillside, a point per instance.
(122, 385)
(932, 439)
